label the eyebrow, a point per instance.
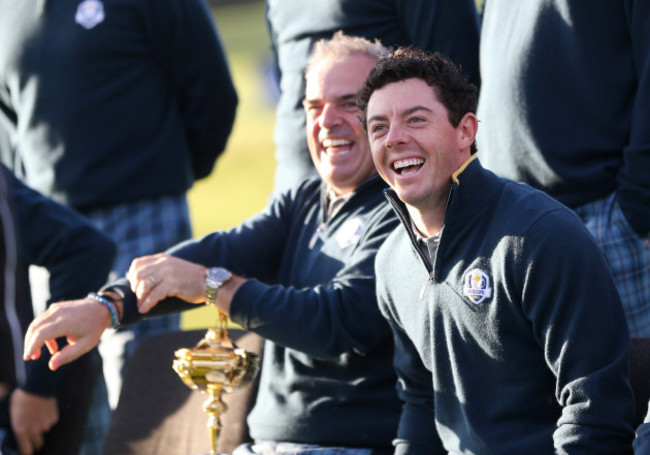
(345, 97)
(406, 112)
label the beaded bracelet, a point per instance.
(110, 305)
(117, 307)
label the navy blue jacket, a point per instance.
(47, 234)
(515, 341)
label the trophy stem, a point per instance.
(214, 406)
(215, 366)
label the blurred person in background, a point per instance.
(565, 107)
(34, 399)
(115, 108)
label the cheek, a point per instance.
(377, 151)
(312, 130)
(377, 155)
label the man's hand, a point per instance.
(158, 276)
(82, 322)
(31, 417)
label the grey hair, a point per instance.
(341, 46)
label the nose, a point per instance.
(395, 136)
(329, 116)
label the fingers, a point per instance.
(27, 442)
(152, 297)
(145, 273)
(31, 417)
(42, 331)
(69, 353)
(81, 322)
(153, 278)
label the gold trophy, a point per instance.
(214, 366)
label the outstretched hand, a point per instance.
(81, 322)
(158, 276)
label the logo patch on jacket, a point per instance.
(89, 13)
(350, 233)
(476, 286)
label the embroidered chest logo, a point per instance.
(350, 233)
(476, 286)
(89, 13)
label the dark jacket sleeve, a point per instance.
(634, 179)
(567, 319)
(188, 46)
(243, 250)
(329, 319)
(323, 321)
(77, 256)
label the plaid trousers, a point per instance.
(628, 256)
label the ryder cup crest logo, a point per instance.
(476, 286)
(350, 233)
(89, 13)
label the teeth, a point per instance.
(336, 142)
(408, 162)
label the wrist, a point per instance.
(108, 302)
(115, 299)
(215, 278)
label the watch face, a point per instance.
(218, 275)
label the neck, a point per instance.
(428, 223)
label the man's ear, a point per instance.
(467, 128)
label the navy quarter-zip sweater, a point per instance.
(515, 341)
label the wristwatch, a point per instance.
(215, 277)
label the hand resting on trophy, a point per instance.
(158, 276)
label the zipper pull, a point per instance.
(314, 238)
(425, 286)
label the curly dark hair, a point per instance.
(452, 89)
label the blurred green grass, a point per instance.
(242, 179)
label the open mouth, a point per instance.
(337, 146)
(408, 165)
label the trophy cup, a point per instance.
(214, 366)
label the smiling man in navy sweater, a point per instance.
(510, 335)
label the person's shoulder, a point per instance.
(304, 193)
(543, 220)
(534, 204)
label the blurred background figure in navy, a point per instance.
(448, 26)
(115, 108)
(34, 399)
(565, 107)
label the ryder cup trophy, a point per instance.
(214, 366)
